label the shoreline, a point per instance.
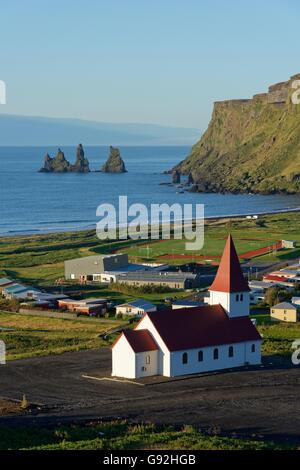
(212, 218)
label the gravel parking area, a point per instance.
(262, 401)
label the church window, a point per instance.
(185, 358)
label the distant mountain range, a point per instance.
(27, 130)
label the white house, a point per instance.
(136, 308)
(198, 339)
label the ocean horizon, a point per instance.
(33, 202)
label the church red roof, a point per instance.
(199, 327)
(229, 276)
(140, 340)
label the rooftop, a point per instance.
(188, 303)
(4, 281)
(158, 276)
(139, 303)
(140, 340)
(229, 277)
(285, 305)
(198, 327)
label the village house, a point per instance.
(136, 308)
(285, 311)
(86, 307)
(194, 340)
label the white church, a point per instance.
(194, 340)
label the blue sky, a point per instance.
(158, 61)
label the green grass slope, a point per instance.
(250, 146)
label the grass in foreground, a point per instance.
(121, 436)
(38, 336)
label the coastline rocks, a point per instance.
(114, 163)
(175, 177)
(190, 179)
(59, 164)
(81, 164)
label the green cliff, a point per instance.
(250, 145)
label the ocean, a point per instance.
(32, 202)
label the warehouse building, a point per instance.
(89, 267)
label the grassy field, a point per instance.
(39, 259)
(248, 235)
(39, 336)
(121, 436)
(36, 336)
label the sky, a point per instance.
(147, 61)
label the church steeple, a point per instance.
(229, 277)
(230, 288)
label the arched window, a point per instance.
(237, 297)
(241, 297)
(216, 353)
(185, 358)
(230, 351)
(253, 348)
(148, 359)
(200, 356)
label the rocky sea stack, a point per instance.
(114, 163)
(251, 145)
(59, 164)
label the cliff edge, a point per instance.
(251, 145)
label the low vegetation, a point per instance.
(28, 336)
(122, 435)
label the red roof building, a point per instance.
(197, 339)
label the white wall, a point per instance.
(141, 363)
(134, 311)
(242, 355)
(163, 353)
(228, 301)
(123, 359)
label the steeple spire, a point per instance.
(229, 276)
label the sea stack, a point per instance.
(176, 177)
(114, 163)
(82, 163)
(59, 164)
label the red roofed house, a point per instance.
(197, 339)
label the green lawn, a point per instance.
(121, 436)
(247, 234)
(39, 336)
(39, 259)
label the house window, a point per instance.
(200, 356)
(242, 297)
(237, 297)
(216, 353)
(185, 358)
(230, 351)
(148, 360)
(253, 348)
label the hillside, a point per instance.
(250, 145)
(29, 131)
